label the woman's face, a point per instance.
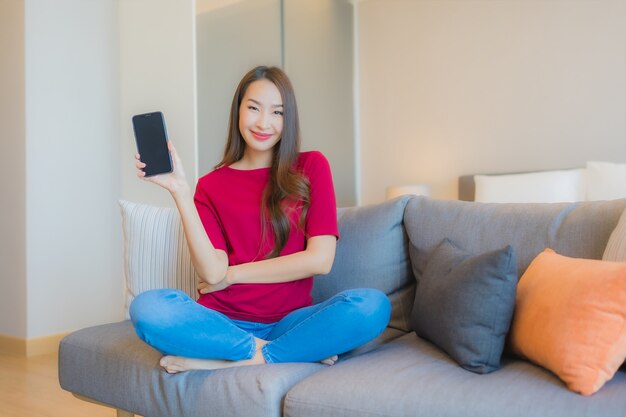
(261, 116)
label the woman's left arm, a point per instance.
(319, 253)
(316, 259)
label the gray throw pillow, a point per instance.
(464, 304)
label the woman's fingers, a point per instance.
(171, 181)
(175, 157)
(177, 164)
(140, 166)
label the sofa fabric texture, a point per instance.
(573, 229)
(110, 364)
(372, 252)
(465, 304)
(409, 377)
(386, 246)
(616, 246)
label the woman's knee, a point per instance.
(151, 306)
(369, 303)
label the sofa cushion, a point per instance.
(110, 364)
(533, 187)
(616, 246)
(573, 229)
(409, 377)
(156, 254)
(606, 180)
(570, 317)
(464, 304)
(371, 253)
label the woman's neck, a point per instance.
(253, 160)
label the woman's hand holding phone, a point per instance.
(175, 182)
(207, 261)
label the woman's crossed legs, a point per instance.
(195, 337)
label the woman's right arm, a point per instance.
(210, 264)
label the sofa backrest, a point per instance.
(376, 242)
(372, 252)
(573, 229)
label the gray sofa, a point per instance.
(400, 374)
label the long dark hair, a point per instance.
(286, 185)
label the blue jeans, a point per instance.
(173, 323)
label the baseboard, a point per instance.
(10, 345)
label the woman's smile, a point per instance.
(261, 136)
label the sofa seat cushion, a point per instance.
(108, 363)
(411, 377)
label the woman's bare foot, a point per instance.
(330, 361)
(176, 364)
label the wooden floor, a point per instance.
(29, 387)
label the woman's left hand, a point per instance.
(206, 288)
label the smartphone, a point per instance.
(151, 139)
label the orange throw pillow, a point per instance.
(570, 317)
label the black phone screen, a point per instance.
(151, 139)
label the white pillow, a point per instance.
(535, 187)
(615, 250)
(606, 181)
(156, 254)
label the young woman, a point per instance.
(263, 223)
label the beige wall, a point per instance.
(157, 70)
(479, 86)
(72, 165)
(12, 171)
